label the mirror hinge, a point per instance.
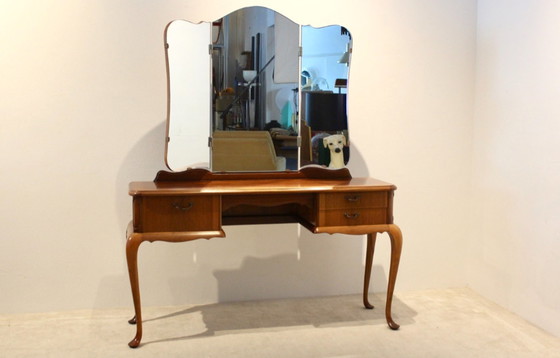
(210, 49)
(300, 51)
(209, 142)
(298, 141)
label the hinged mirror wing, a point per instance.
(188, 89)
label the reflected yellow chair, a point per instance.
(245, 151)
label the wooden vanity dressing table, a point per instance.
(183, 205)
(195, 204)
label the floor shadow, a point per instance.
(277, 315)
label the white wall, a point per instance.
(82, 105)
(516, 237)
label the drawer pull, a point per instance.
(352, 198)
(181, 207)
(351, 216)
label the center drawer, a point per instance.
(177, 213)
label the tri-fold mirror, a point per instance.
(254, 91)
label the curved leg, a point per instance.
(396, 248)
(367, 275)
(132, 244)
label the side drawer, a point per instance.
(350, 217)
(353, 200)
(177, 213)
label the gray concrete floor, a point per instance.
(435, 323)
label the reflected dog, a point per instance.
(335, 143)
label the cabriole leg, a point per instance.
(370, 248)
(396, 248)
(132, 244)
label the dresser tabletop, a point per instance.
(257, 186)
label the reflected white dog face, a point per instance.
(335, 143)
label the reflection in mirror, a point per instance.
(326, 54)
(255, 72)
(245, 92)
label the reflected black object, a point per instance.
(325, 111)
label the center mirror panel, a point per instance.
(271, 98)
(255, 75)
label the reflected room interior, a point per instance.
(326, 54)
(255, 91)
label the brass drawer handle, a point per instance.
(351, 216)
(352, 198)
(183, 208)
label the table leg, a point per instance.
(132, 244)
(367, 275)
(396, 247)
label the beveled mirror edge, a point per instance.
(168, 91)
